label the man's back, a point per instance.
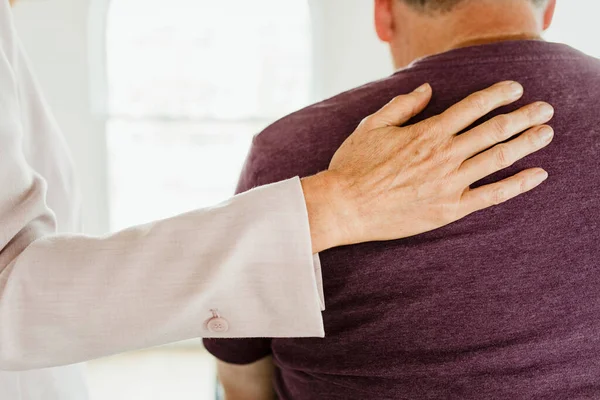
(504, 304)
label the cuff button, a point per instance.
(218, 325)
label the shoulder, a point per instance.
(328, 114)
(303, 142)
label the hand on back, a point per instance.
(389, 181)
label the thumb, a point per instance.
(403, 108)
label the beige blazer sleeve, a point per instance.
(70, 298)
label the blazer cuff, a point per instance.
(318, 275)
(319, 280)
(316, 259)
(279, 291)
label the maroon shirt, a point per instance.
(504, 304)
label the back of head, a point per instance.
(419, 28)
(447, 5)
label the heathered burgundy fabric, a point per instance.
(504, 304)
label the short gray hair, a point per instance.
(448, 5)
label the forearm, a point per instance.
(322, 193)
(66, 299)
(247, 382)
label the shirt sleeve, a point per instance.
(70, 298)
(247, 351)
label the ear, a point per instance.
(384, 20)
(549, 13)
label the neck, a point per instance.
(470, 23)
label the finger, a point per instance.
(506, 154)
(401, 108)
(500, 192)
(502, 128)
(479, 104)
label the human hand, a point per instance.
(388, 182)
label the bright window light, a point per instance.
(190, 83)
(576, 24)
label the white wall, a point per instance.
(577, 25)
(55, 35)
(347, 52)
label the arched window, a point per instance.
(189, 82)
(183, 86)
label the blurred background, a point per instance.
(159, 101)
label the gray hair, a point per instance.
(447, 5)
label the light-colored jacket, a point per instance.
(67, 298)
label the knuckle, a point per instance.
(444, 157)
(431, 126)
(404, 105)
(367, 122)
(443, 154)
(400, 101)
(503, 156)
(419, 130)
(499, 196)
(501, 128)
(479, 102)
(523, 185)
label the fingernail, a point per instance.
(545, 110)
(423, 88)
(539, 177)
(515, 88)
(546, 134)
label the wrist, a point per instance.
(323, 194)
